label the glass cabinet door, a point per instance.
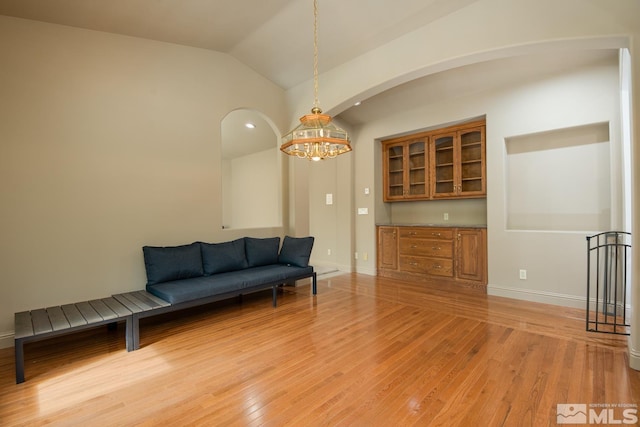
(443, 183)
(395, 171)
(417, 168)
(472, 180)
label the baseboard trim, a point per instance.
(634, 355)
(7, 340)
(367, 271)
(538, 296)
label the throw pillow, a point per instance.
(223, 257)
(296, 251)
(164, 264)
(262, 251)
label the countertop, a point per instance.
(447, 225)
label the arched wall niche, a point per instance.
(251, 171)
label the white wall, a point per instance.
(556, 261)
(331, 224)
(108, 143)
(254, 203)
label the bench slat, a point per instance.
(150, 299)
(73, 315)
(40, 319)
(116, 307)
(101, 308)
(137, 301)
(88, 312)
(130, 305)
(23, 325)
(57, 319)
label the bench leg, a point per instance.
(275, 295)
(132, 333)
(315, 283)
(19, 361)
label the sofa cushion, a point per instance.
(262, 251)
(223, 257)
(179, 291)
(296, 251)
(172, 262)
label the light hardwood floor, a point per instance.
(365, 351)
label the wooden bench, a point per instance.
(141, 304)
(45, 323)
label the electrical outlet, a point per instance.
(523, 274)
(328, 251)
(356, 255)
(365, 256)
(446, 217)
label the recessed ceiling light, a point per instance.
(250, 125)
(357, 103)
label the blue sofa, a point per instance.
(200, 273)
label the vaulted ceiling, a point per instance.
(274, 37)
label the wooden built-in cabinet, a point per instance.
(447, 254)
(444, 163)
(407, 170)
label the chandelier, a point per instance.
(316, 137)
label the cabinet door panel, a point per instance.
(387, 248)
(472, 162)
(417, 165)
(444, 178)
(471, 254)
(394, 178)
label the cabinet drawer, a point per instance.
(432, 266)
(426, 247)
(426, 233)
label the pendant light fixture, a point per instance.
(316, 137)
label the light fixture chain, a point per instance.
(315, 53)
(316, 138)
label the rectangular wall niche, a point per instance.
(559, 180)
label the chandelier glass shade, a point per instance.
(316, 137)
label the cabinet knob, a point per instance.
(437, 266)
(435, 234)
(436, 248)
(414, 246)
